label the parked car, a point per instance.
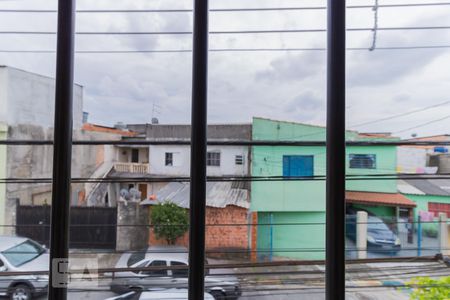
(18, 254)
(379, 236)
(220, 287)
(178, 294)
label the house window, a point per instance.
(239, 160)
(134, 155)
(362, 161)
(298, 165)
(169, 159)
(213, 159)
(437, 208)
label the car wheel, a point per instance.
(20, 292)
(218, 295)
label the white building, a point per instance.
(165, 160)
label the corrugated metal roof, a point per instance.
(406, 188)
(437, 187)
(218, 194)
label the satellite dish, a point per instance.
(125, 194)
(135, 193)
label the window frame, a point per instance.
(362, 164)
(213, 161)
(287, 172)
(168, 159)
(239, 160)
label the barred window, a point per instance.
(239, 160)
(362, 161)
(213, 159)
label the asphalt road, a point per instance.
(318, 294)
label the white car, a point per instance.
(220, 287)
(18, 254)
(172, 294)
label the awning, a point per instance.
(384, 199)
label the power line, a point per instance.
(262, 31)
(157, 178)
(224, 50)
(187, 142)
(240, 9)
(401, 115)
(424, 124)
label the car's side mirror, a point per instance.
(3, 268)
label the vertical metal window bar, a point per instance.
(62, 151)
(198, 151)
(335, 187)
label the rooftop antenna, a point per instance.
(156, 110)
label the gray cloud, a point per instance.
(305, 106)
(294, 67)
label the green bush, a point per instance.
(170, 221)
(425, 288)
(430, 232)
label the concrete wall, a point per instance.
(125, 154)
(27, 110)
(36, 161)
(181, 156)
(131, 237)
(304, 241)
(411, 160)
(219, 131)
(3, 174)
(29, 98)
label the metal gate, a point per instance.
(90, 227)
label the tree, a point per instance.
(426, 288)
(170, 221)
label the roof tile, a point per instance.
(372, 198)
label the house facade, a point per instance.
(298, 206)
(431, 194)
(227, 202)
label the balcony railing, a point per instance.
(132, 168)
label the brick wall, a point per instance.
(219, 237)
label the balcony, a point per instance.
(136, 168)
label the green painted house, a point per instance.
(432, 196)
(291, 213)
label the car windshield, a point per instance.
(377, 224)
(23, 253)
(135, 257)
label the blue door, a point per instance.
(298, 165)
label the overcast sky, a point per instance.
(278, 85)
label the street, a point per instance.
(364, 282)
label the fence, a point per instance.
(91, 227)
(268, 239)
